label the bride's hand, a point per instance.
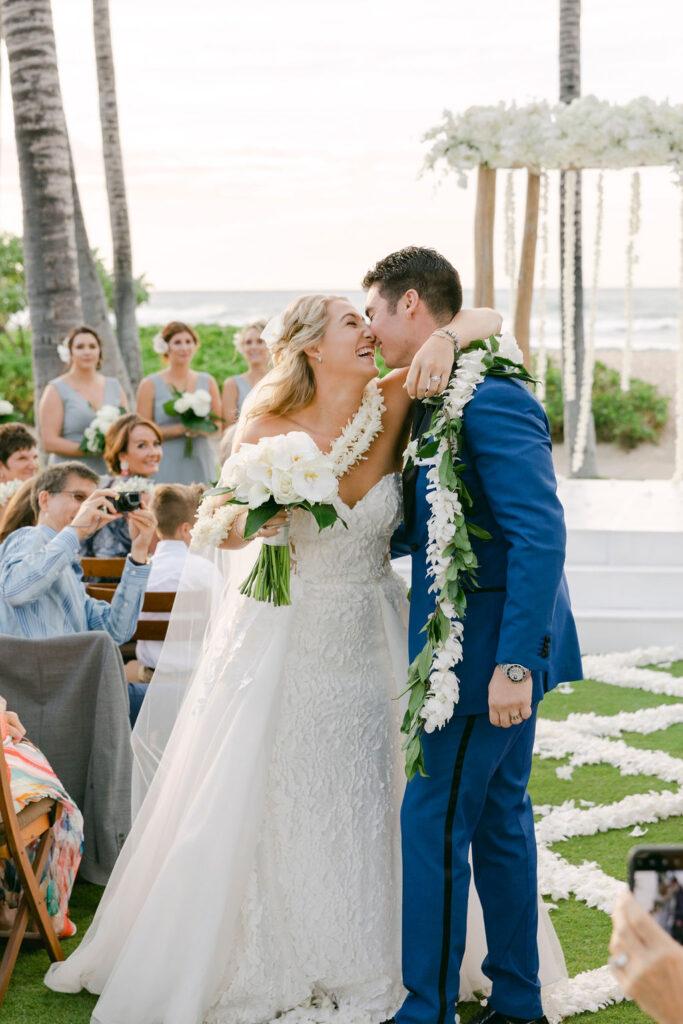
(431, 366)
(275, 524)
(268, 529)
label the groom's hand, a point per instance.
(507, 700)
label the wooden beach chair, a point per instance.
(17, 831)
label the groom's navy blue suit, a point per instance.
(475, 793)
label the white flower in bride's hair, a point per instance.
(159, 344)
(6, 408)
(64, 352)
(274, 330)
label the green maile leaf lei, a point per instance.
(433, 685)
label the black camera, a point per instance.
(127, 501)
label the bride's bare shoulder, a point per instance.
(394, 394)
(262, 426)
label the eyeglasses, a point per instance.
(78, 496)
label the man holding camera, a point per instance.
(41, 587)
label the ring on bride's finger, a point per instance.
(436, 378)
(619, 961)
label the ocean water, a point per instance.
(655, 312)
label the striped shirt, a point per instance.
(42, 592)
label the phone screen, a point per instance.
(661, 894)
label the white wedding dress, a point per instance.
(262, 875)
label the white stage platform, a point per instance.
(624, 562)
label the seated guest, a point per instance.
(175, 507)
(18, 459)
(41, 587)
(31, 779)
(18, 511)
(132, 453)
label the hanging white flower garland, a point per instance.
(586, 398)
(631, 260)
(510, 242)
(678, 460)
(542, 358)
(568, 295)
(8, 488)
(432, 682)
(213, 523)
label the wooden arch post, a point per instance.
(525, 284)
(483, 236)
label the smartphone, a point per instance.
(655, 875)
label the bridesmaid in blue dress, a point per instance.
(251, 345)
(176, 467)
(69, 402)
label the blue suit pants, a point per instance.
(475, 795)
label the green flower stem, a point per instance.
(268, 581)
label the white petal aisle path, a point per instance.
(584, 739)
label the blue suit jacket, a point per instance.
(521, 613)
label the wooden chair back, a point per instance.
(156, 602)
(17, 831)
(102, 568)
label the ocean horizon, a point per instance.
(655, 312)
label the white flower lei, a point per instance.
(542, 359)
(213, 524)
(631, 260)
(432, 680)
(586, 396)
(126, 484)
(8, 488)
(568, 296)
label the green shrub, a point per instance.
(626, 418)
(16, 373)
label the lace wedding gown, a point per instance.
(262, 874)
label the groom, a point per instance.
(519, 642)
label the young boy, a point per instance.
(175, 507)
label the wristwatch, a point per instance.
(452, 335)
(515, 673)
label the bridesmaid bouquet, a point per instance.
(7, 414)
(194, 410)
(94, 434)
(283, 472)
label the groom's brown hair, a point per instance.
(436, 281)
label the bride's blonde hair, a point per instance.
(290, 384)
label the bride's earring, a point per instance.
(320, 359)
(124, 467)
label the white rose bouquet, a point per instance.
(94, 434)
(7, 414)
(194, 410)
(287, 471)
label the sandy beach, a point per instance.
(647, 461)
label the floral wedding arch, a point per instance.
(586, 134)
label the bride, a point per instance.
(261, 878)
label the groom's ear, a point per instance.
(409, 302)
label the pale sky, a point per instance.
(278, 145)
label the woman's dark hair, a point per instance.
(436, 281)
(14, 437)
(18, 511)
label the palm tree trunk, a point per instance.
(124, 284)
(570, 88)
(95, 310)
(46, 189)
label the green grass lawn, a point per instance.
(583, 931)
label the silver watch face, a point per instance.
(515, 673)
